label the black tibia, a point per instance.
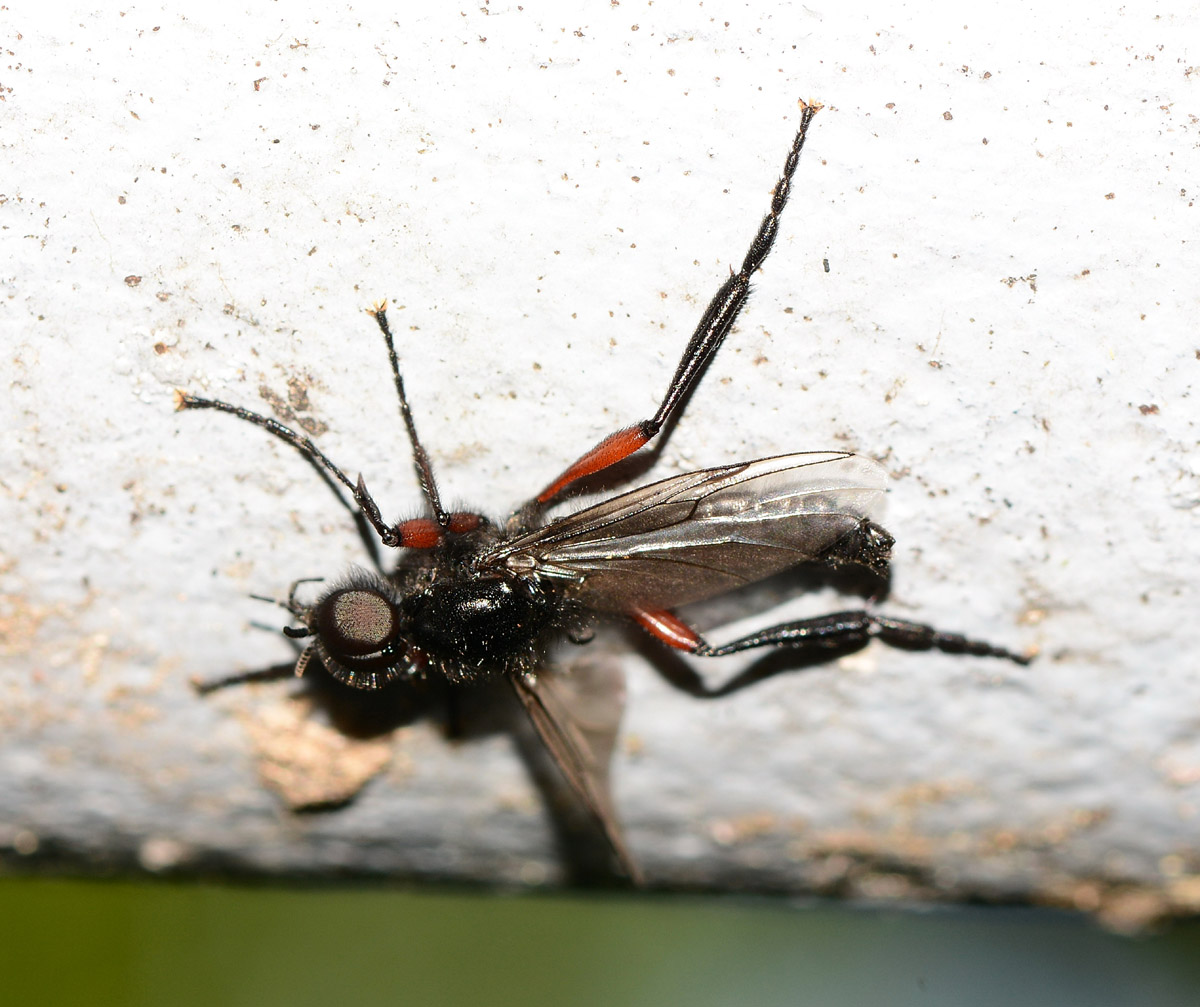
(844, 632)
(723, 309)
(306, 447)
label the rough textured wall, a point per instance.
(986, 280)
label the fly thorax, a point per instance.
(481, 626)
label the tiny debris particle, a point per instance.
(1110, 195)
(132, 281)
(1150, 410)
(298, 395)
(160, 348)
(947, 116)
(1012, 281)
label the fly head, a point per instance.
(358, 633)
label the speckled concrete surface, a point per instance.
(986, 280)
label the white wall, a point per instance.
(552, 191)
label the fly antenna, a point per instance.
(420, 456)
(290, 604)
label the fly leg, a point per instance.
(815, 640)
(715, 324)
(275, 673)
(306, 447)
(849, 631)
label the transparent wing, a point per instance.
(577, 715)
(697, 535)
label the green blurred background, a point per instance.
(73, 942)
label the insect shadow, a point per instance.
(471, 601)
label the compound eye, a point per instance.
(356, 621)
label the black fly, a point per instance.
(470, 599)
